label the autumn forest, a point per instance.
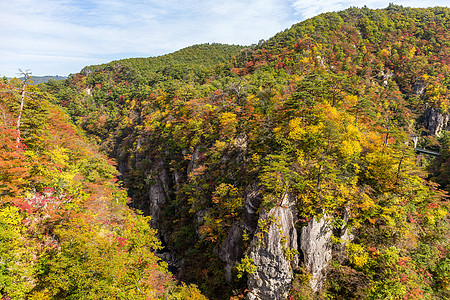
(312, 165)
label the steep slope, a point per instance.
(100, 95)
(195, 61)
(289, 170)
(65, 229)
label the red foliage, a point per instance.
(280, 65)
(13, 164)
(122, 242)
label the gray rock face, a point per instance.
(385, 77)
(346, 235)
(253, 200)
(157, 192)
(435, 121)
(419, 88)
(193, 163)
(230, 251)
(316, 247)
(274, 273)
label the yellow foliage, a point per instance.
(59, 156)
(349, 148)
(41, 295)
(331, 113)
(10, 215)
(151, 122)
(296, 130)
(366, 203)
(209, 107)
(381, 167)
(228, 122)
(161, 98)
(372, 141)
(252, 99)
(385, 53)
(277, 129)
(353, 131)
(227, 118)
(357, 255)
(315, 129)
(412, 52)
(388, 215)
(188, 292)
(256, 158)
(301, 158)
(220, 145)
(352, 99)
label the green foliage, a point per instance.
(300, 287)
(65, 229)
(320, 113)
(246, 266)
(94, 263)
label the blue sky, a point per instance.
(59, 37)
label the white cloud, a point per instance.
(308, 8)
(40, 64)
(62, 36)
(102, 28)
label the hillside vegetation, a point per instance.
(240, 154)
(66, 231)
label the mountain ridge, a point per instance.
(310, 127)
(279, 171)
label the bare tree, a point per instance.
(26, 77)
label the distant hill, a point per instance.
(197, 61)
(46, 78)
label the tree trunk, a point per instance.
(22, 101)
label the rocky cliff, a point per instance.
(435, 122)
(273, 252)
(278, 242)
(316, 248)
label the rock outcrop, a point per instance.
(157, 192)
(316, 246)
(419, 88)
(274, 272)
(230, 251)
(275, 241)
(436, 122)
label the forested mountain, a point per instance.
(285, 170)
(43, 79)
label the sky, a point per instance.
(60, 37)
